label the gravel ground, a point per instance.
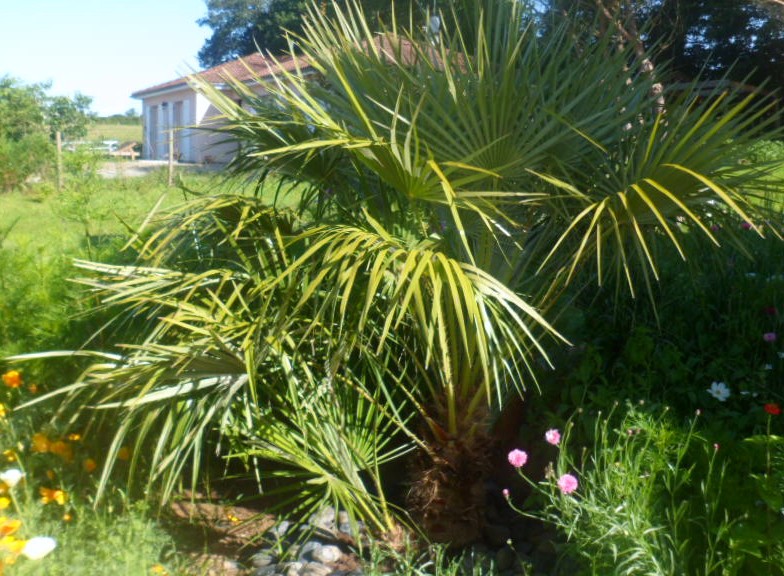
(137, 168)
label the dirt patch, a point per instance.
(215, 536)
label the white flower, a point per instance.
(38, 547)
(719, 391)
(768, 367)
(11, 477)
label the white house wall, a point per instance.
(159, 118)
(192, 144)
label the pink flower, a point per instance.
(770, 310)
(567, 484)
(553, 437)
(716, 447)
(746, 225)
(505, 492)
(769, 336)
(517, 458)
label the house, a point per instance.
(175, 108)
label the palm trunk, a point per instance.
(630, 33)
(447, 493)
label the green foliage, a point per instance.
(766, 151)
(708, 326)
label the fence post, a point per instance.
(171, 158)
(58, 137)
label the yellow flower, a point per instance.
(158, 569)
(232, 518)
(67, 517)
(12, 544)
(12, 379)
(49, 495)
(33, 388)
(124, 453)
(5, 502)
(89, 465)
(73, 437)
(10, 455)
(3, 411)
(40, 442)
(51, 475)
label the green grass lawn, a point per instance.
(121, 132)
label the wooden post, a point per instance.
(58, 137)
(171, 158)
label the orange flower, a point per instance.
(8, 526)
(40, 442)
(49, 495)
(89, 465)
(124, 453)
(33, 388)
(12, 379)
(62, 449)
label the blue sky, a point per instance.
(105, 49)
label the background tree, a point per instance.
(22, 108)
(69, 116)
(30, 119)
(240, 28)
(740, 39)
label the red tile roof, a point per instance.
(255, 65)
(243, 69)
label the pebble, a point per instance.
(308, 550)
(315, 569)
(327, 554)
(292, 569)
(262, 559)
(314, 549)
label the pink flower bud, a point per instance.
(553, 437)
(567, 484)
(517, 458)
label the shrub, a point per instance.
(23, 158)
